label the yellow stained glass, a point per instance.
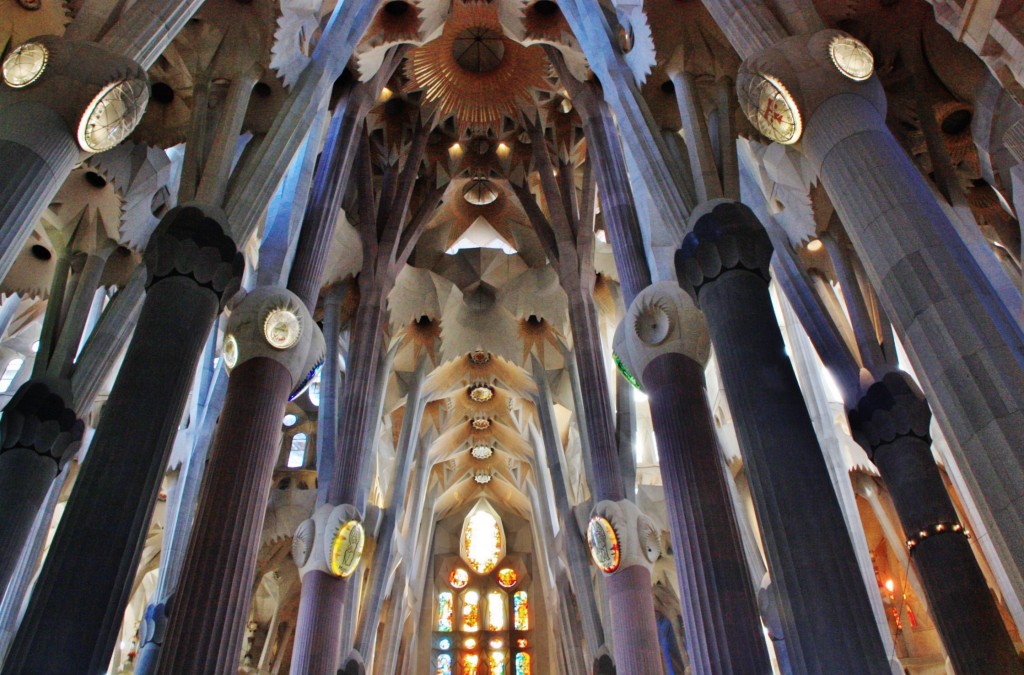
(523, 664)
(470, 664)
(458, 578)
(521, 610)
(471, 611)
(497, 663)
(496, 611)
(507, 577)
(483, 538)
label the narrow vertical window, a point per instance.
(523, 664)
(445, 611)
(10, 372)
(521, 610)
(297, 454)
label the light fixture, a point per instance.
(282, 329)
(25, 64)
(481, 423)
(455, 151)
(347, 548)
(113, 114)
(814, 245)
(852, 57)
(482, 478)
(481, 451)
(230, 351)
(481, 393)
(290, 420)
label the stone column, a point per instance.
(891, 422)
(723, 264)
(38, 122)
(78, 604)
(964, 343)
(272, 344)
(664, 342)
(39, 433)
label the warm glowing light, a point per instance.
(496, 644)
(445, 611)
(496, 610)
(522, 643)
(455, 151)
(470, 664)
(483, 538)
(503, 151)
(814, 245)
(470, 643)
(470, 611)
(385, 94)
(507, 577)
(889, 585)
(496, 662)
(458, 577)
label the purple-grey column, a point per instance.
(723, 626)
(78, 604)
(891, 421)
(827, 620)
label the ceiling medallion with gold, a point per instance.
(481, 451)
(481, 423)
(474, 71)
(481, 393)
(479, 357)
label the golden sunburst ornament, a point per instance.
(474, 71)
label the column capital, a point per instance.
(41, 419)
(331, 542)
(662, 319)
(192, 241)
(273, 323)
(620, 536)
(70, 77)
(891, 408)
(725, 235)
(781, 87)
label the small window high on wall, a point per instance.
(297, 453)
(10, 372)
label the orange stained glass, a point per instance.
(522, 643)
(471, 611)
(497, 663)
(521, 610)
(507, 577)
(458, 577)
(470, 664)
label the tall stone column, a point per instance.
(723, 264)
(891, 422)
(964, 343)
(272, 344)
(39, 433)
(664, 342)
(38, 123)
(78, 604)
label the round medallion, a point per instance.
(482, 478)
(508, 577)
(230, 351)
(479, 357)
(852, 57)
(481, 451)
(604, 544)
(458, 578)
(481, 393)
(25, 64)
(769, 107)
(113, 115)
(302, 542)
(479, 49)
(480, 192)
(347, 549)
(652, 325)
(282, 329)
(481, 424)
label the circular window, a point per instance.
(25, 64)
(281, 328)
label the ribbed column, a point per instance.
(723, 626)
(208, 611)
(78, 604)
(724, 264)
(38, 434)
(320, 622)
(891, 421)
(632, 603)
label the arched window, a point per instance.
(10, 372)
(297, 453)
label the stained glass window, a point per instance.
(444, 664)
(521, 610)
(483, 538)
(458, 577)
(471, 611)
(497, 611)
(497, 662)
(523, 664)
(470, 664)
(507, 577)
(445, 611)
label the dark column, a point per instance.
(723, 626)
(78, 603)
(39, 432)
(209, 609)
(828, 623)
(891, 422)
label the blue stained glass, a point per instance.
(444, 664)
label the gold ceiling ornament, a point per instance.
(534, 332)
(474, 71)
